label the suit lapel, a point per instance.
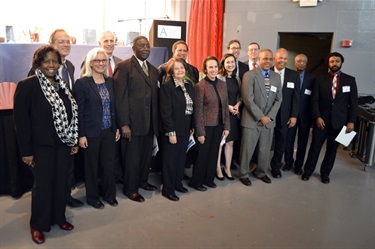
(260, 80)
(92, 84)
(140, 70)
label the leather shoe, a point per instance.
(182, 190)
(276, 173)
(71, 202)
(66, 226)
(287, 167)
(136, 197)
(298, 171)
(230, 178)
(220, 178)
(97, 204)
(149, 187)
(305, 177)
(37, 236)
(200, 188)
(325, 179)
(112, 202)
(211, 185)
(265, 179)
(245, 181)
(171, 197)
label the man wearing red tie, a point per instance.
(334, 104)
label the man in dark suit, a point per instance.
(288, 112)
(60, 40)
(136, 94)
(253, 53)
(262, 97)
(334, 104)
(234, 47)
(304, 120)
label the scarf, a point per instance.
(68, 133)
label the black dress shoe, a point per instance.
(220, 178)
(112, 202)
(171, 197)
(287, 167)
(37, 236)
(182, 190)
(245, 181)
(186, 177)
(97, 204)
(71, 202)
(276, 173)
(230, 178)
(211, 185)
(325, 179)
(149, 187)
(305, 177)
(136, 197)
(66, 226)
(200, 188)
(265, 179)
(298, 171)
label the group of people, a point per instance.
(118, 109)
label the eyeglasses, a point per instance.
(182, 50)
(100, 61)
(235, 48)
(63, 41)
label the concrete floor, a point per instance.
(288, 213)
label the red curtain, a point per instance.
(205, 35)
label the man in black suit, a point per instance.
(136, 94)
(234, 47)
(334, 104)
(304, 120)
(287, 116)
(60, 40)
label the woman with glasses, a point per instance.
(97, 127)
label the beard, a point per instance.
(335, 69)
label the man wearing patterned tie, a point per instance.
(136, 94)
(332, 108)
(253, 53)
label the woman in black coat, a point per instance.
(176, 108)
(46, 120)
(97, 127)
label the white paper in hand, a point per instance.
(345, 138)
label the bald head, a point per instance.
(300, 62)
(281, 58)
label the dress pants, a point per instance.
(255, 139)
(100, 155)
(302, 139)
(318, 138)
(205, 167)
(279, 149)
(48, 193)
(137, 161)
(173, 158)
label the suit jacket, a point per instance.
(192, 72)
(291, 91)
(83, 70)
(207, 106)
(136, 97)
(338, 111)
(304, 116)
(172, 108)
(254, 98)
(33, 116)
(90, 108)
(243, 68)
(69, 65)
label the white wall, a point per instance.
(260, 21)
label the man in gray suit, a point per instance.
(262, 95)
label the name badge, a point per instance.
(290, 85)
(307, 92)
(346, 89)
(273, 89)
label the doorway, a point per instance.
(316, 46)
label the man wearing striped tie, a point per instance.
(334, 104)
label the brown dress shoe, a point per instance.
(66, 226)
(37, 236)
